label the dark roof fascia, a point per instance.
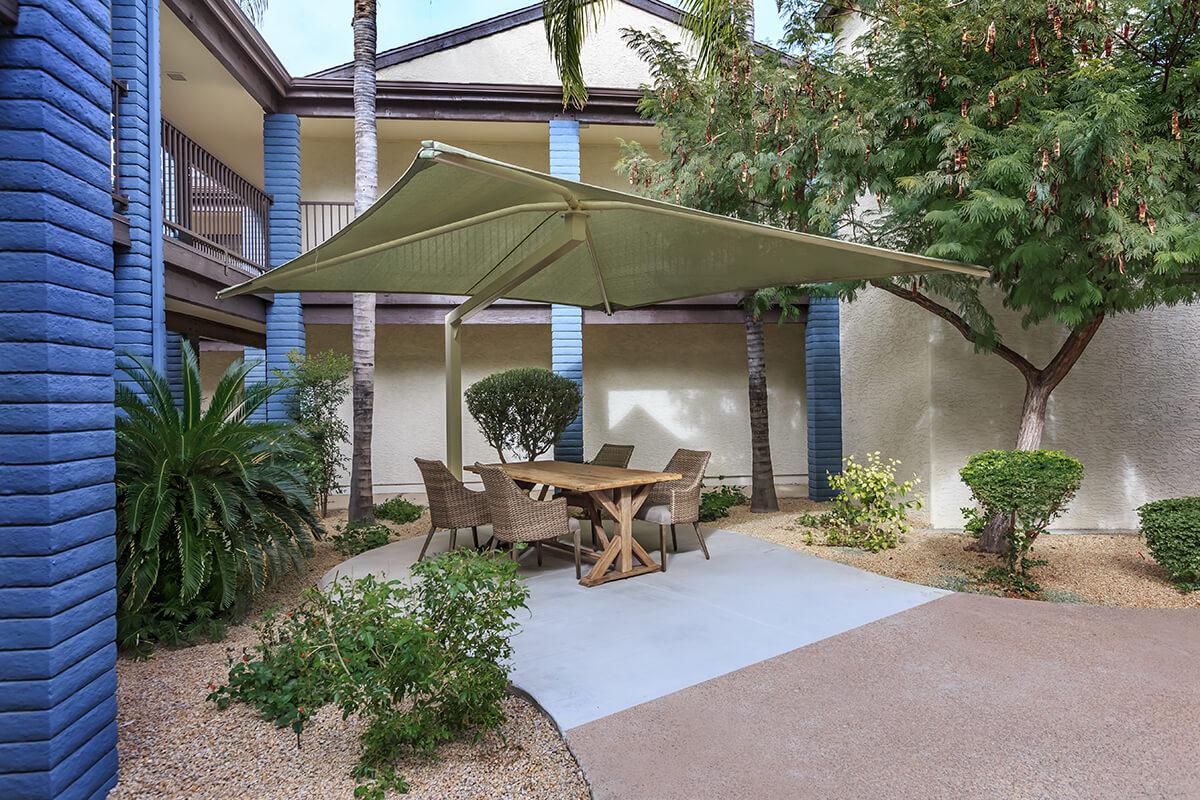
(333, 97)
(225, 32)
(479, 30)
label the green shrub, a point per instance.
(399, 510)
(359, 537)
(716, 504)
(320, 384)
(211, 507)
(1172, 531)
(871, 509)
(523, 410)
(1030, 488)
(421, 663)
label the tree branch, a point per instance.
(1022, 364)
(1070, 351)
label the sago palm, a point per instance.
(211, 507)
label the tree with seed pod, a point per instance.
(1064, 106)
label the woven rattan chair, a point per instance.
(674, 503)
(451, 505)
(516, 517)
(609, 455)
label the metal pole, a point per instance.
(453, 397)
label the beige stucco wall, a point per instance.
(520, 55)
(658, 387)
(915, 390)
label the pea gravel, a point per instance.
(1113, 569)
(174, 744)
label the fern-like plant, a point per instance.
(211, 507)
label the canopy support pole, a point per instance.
(573, 234)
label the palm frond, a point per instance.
(568, 23)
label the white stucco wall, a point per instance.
(521, 56)
(657, 387)
(914, 389)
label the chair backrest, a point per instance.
(613, 455)
(505, 501)
(691, 464)
(444, 491)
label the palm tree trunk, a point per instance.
(366, 187)
(762, 493)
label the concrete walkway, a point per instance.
(766, 673)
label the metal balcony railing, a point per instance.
(319, 220)
(210, 207)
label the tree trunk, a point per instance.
(366, 180)
(762, 494)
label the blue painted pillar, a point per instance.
(139, 320)
(566, 322)
(175, 366)
(58, 728)
(256, 357)
(285, 317)
(823, 375)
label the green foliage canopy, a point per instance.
(523, 410)
(320, 384)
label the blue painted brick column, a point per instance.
(566, 322)
(285, 317)
(256, 357)
(823, 375)
(139, 320)
(175, 366)
(58, 729)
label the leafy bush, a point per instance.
(1030, 488)
(320, 384)
(716, 504)
(1172, 531)
(523, 410)
(871, 509)
(399, 510)
(421, 663)
(359, 537)
(210, 507)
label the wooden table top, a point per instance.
(581, 477)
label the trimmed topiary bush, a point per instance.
(1031, 488)
(1172, 531)
(523, 410)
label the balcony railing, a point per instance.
(319, 220)
(210, 207)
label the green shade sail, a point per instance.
(458, 223)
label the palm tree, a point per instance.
(366, 187)
(762, 472)
(714, 24)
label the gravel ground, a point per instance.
(174, 744)
(1103, 568)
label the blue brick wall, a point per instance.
(257, 359)
(174, 360)
(285, 317)
(58, 727)
(566, 322)
(139, 312)
(823, 375)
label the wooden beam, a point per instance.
(199, 328)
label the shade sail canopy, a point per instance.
(456, 223)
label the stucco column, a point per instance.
(58, 728)
(139, 315)
(823, 376)
(566, 322)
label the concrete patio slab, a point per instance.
(965, 697)
(588, 653)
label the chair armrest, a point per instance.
(685, 504)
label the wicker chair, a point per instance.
(677, 502)
(451, 505)
(516, 517)
(609, 455)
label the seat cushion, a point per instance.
(659, 515)
(573, 523)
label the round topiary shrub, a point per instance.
(523, 410)
(1172, 531)
(1030, 488)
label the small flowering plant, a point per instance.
(871, 508)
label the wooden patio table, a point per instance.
(620, 492)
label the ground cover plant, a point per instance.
(359, 537)
(523, 410)
(399, 510)
(422, 662)
(1172, 532)
(1027, 489)
(716, 503)
(211, 507)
